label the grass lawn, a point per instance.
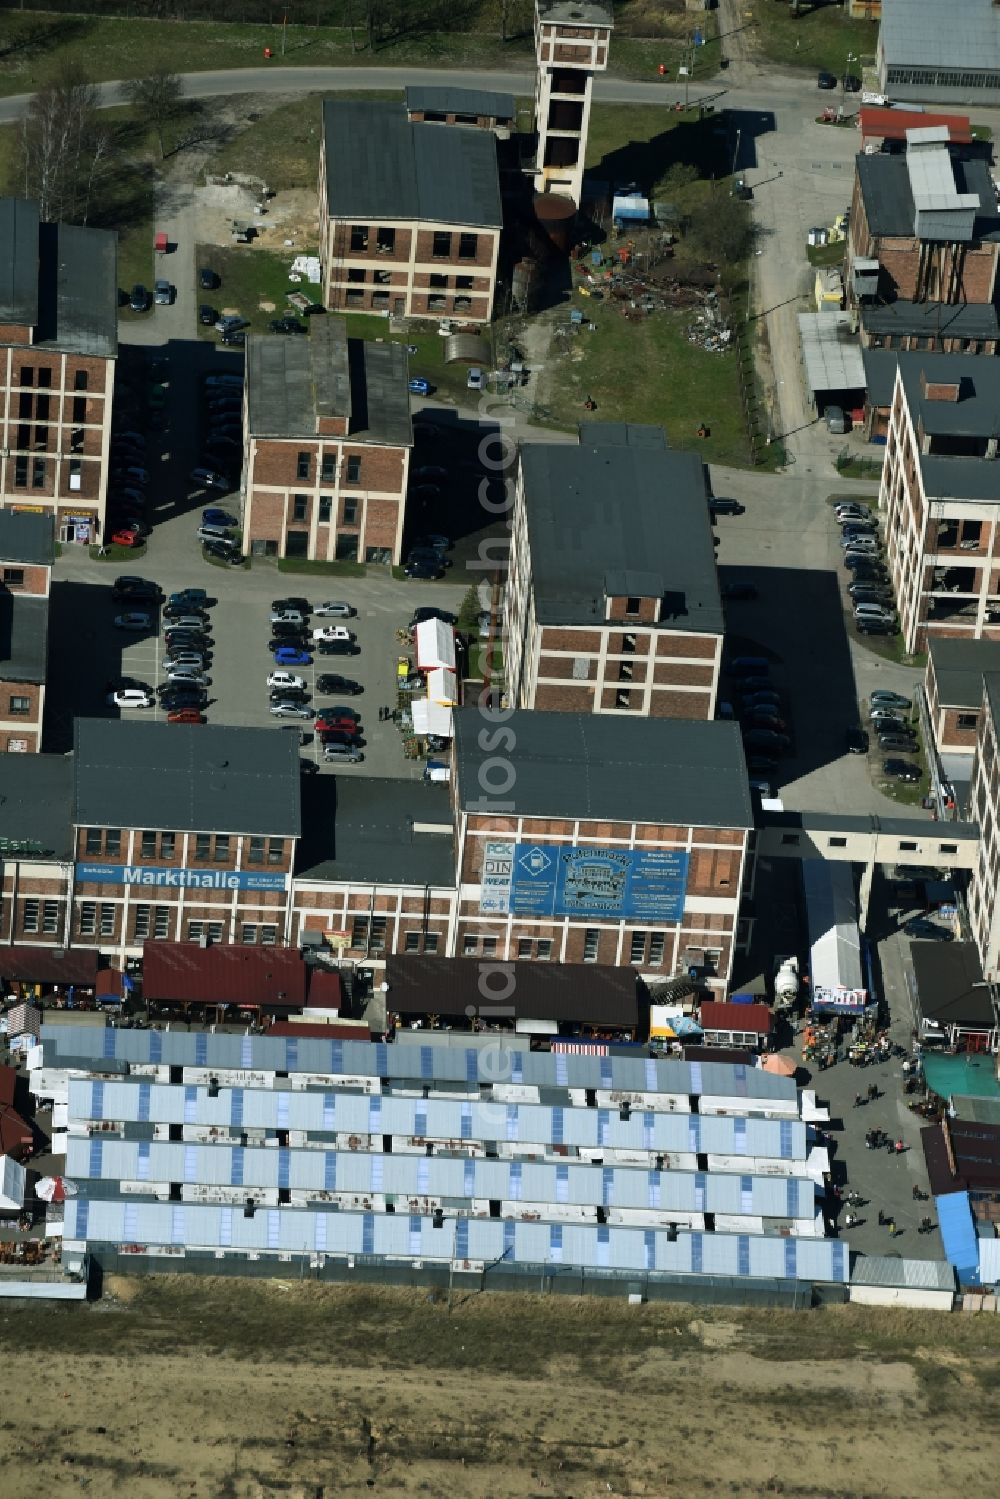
(821, 36)
(829, 254)
(648, 372)
(249, 276)
(280, 144)
(448, 381)
(641, 142)
(323, 569)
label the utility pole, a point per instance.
(284, 29)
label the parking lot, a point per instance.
(787, 544)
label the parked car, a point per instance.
(127, 536)
(297, 617)
(759, 698)
(278, 642)
(852, 83)
(766, 739)
(285, 679)
(186, 656)
(433, 555)
(163, 293)
(291, 708)
(720, 505)
(289, 627)
(230, 322)
(330, 682)
(207, 316)
(348, 753)
(882, 696)
(208, 280)
(290, 655)
(287, 325)
(762, 764)
(297, 605)
(901, 770)
(192, 619)
(745, 666)
(130, 697)
(431, 612)
(139, 300)
(186, 715)
(327, 723)
(193, 674)
(184, 700)
(334, 609)
(432, 543)
(897, 744)
(474, 380)
(762, 719)
(856, 541)
(227, 381)
(134, 621)
(851, 510)
(836, 420)
(419, 386)
(129, 587)
(424, 568)
(825, 80)
(337, 648)
(756, 684)
(210, 478)
(928, 931)
(857, 742)
(738, 589)
(331, 632)
(225, 552)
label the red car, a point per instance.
(186, 715)
(338, 723)
(128, 536)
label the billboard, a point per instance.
(533, 879)
(170, 878)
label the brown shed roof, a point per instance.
(191, 974)
(49, 965)
(579, 993)
(721, 1017)
(962, 1155)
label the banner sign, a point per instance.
(530, 879)
(152, 877)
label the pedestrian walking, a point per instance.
(900, 1147)
(882, 1219)
(892, 1228)
(873, 1093)
(858, 1100)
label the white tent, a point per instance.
(442, 687)
(435, 645)
(431, 718)
(12, 1179)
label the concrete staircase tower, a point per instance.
(572, 38)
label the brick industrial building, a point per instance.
(572, 38)
(26, 557)
(58, 346)
(940, 496)
(440, 104)
(409, 213)
(984, 807)
(328, 437)
(612, 601)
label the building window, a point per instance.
(464, 283)
(248, 933)
(203, 846)
(161, 922)
(468, 245)
(13, 577)
(489, 947)
(438, 282)
(411, 942)
(524, 947)
(112, 840)
(948, 848)
(430, 942)
(148, 845)
(628, 644)
(355, 298)
(168, 845)
(300, 505)
(359, 236)
(385, 241)
(44, 379)
(269, 935)
(215, 931)
(377, 940)
(712, 957)
(92, 844)
(255, 854)
(38, 473)
(637, 948)
(544, 949)
(355, 273)
(222, 847)
(382, 278)
(350, 512)
(141, 919)
(470, 945)
(657, 942)
(50, 917)
(838, 842)
(792, 839)
(623, 698)
(359, 931)
(353, 469)
(88, 918)
(633, 606)
(625, 670)
(20, 470)
(968, 720)
(194, 930)
(906, 848)
(591, 944)
(441, 247)
(20, 705)
(27, 377)
(325, 508)
(302, 465)
(276, 850)
(107, 919)
(328, 468)
(80, 380)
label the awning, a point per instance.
(442, 686)
(49, 965)
(435, 644)
(781, 1066)
(432, 718)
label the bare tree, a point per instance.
(504, 10)
(157, 97)
(54, 142)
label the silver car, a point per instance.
(291, 710)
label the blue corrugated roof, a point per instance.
(958, 1234)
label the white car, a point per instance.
(332, 632)
(192, 674)
(287, 617)
(333, 609)
(474, 379)
(286, 679)
(874, 611)
(133, 621)
(130, 697)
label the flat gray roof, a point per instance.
(976, 413)
(36, 803)
(577, 12)
(379, 831)
(863, 822)
(961, 479)
(888, 197)
(59, 279)
(991, 687)
(880, 375)
(27, 538)
(949, 983)
(292, 381)
(961, 34)
(208, 779)
(959, 666)
(594, 765)
(24, 638)
(440, 99)
(620, 508)
(18, 261)
(379, 165)
(831, 352)
(932, 319)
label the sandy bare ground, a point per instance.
(227, 1388)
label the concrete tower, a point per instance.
(572, 38)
